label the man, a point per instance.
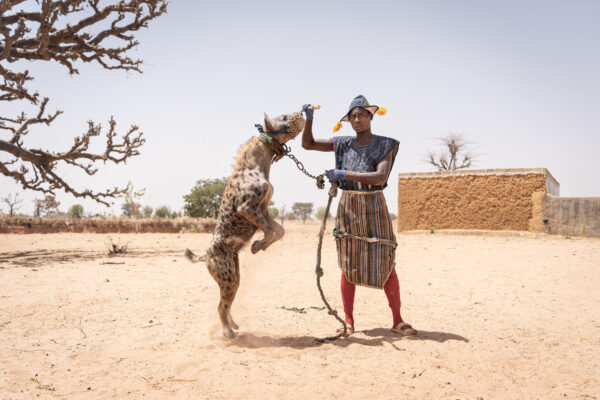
(365, 240)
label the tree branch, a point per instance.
(66, 32)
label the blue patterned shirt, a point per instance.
(349, 155)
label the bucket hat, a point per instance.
(362, 102)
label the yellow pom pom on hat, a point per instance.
(362, 102)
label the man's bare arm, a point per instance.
(309, 143)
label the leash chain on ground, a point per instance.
(319, 271)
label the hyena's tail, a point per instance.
(194, 258)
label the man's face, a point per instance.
(360, 119)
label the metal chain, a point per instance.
(319, 178)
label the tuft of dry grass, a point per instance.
(115, 248)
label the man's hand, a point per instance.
(335, 174)
(308, 111)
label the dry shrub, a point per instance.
(115, 248)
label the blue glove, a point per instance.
(335, 174)
(309, 113)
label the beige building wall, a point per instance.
(573, 216)
(495, 199)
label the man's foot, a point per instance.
(404, 329)
(349, 329)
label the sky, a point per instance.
(518, 78)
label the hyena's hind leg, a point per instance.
(237, 273)
(224, 270)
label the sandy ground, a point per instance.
(501, 316)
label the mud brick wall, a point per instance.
(497, 199)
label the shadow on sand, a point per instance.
(370, 337)
(44, 257)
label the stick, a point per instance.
(80, 328)
(150, 326)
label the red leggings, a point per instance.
(392, 291)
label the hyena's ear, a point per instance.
(268, 124)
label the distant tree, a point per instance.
(321, 213)
(13, 203)
(205, 198)
(49, 205)
(282, 214)
(147, 212)
(454, 155)
(76, 211)
(131, 208)
(66, 33)
(163, 212)
(302, 210)
(273, 211)
(175, 214)
(37, 207)
(290, 216)
(128, 209)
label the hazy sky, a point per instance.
(519, 78)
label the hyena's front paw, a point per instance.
(257, 246)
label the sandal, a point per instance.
(404, 329)
(349, 329)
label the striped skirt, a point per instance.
(365, 239)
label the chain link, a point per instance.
(319, 178)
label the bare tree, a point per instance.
(66, 32)
(37, 207)
(131, 207)
(455, 154)
(49, 205)
(13, 203)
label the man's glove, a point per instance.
(309, 112)
(335, 174)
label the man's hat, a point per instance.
(362, 102)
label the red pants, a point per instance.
(392, 291)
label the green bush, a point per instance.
(76, 211)
(162, 212)
(205, 198)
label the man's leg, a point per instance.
(348, 290)
(392, 291)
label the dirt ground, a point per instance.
(500, 315)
